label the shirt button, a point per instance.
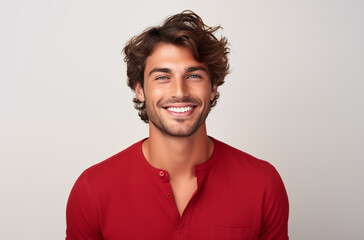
(169, 195)
(161, 173)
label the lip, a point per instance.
(180, 114)
(180, 105)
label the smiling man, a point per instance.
(178, 183)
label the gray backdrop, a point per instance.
(294, 98)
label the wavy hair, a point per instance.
(183, 29)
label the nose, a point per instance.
(179, 88)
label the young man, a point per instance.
(179, 183)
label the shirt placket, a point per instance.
(184, 226)
(183, 222)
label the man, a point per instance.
(179, 183)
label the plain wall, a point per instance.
(294, 97)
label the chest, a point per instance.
(213, 210)
(183, 190)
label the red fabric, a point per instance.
(124, 197)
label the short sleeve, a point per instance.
(275, 210)
(81, 214)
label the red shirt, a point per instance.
(124, 197)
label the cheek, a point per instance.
(154, 94)
(206, 92)
(159, 92)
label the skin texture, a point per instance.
(177, 140)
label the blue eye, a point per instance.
(161, 78)
(195, 76)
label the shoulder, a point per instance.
(96, 185)
(115, 166)
(257, 175)
(228, 155)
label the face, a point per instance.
(177, 90)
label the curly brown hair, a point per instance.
(183, 29)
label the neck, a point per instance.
(177, 155)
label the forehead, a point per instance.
(171, 56)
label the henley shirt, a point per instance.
(125, 198)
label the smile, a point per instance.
(179, 109)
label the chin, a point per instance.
(179, 132)
(176, 130)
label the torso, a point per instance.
(110, 201)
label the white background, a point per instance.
(294, 97)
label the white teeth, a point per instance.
(179, 110)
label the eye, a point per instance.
(161, 78)
(194, 76)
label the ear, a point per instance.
(213, 92)
(139, 92)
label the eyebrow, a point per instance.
(193, 69)
(165, 70)
(168, 70)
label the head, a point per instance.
(187, 30)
